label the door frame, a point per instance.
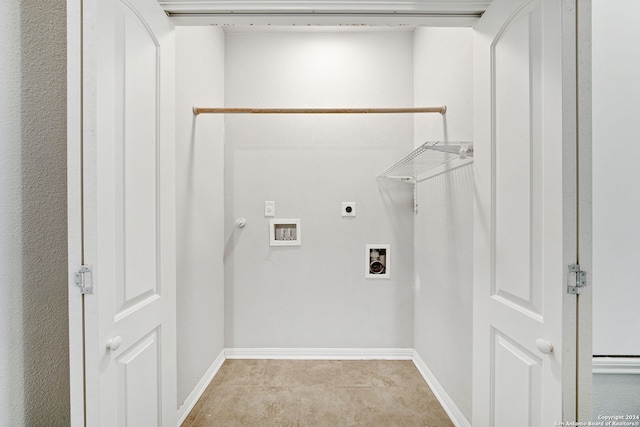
(577, 309)
(584, 147)
(577, 322)
(75, 223)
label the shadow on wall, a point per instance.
(45, 376)
(398, 203)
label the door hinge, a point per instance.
(576, 279)
(84, 279)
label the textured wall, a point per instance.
(316, 295)
(444, 225)
(616, 394)
(34, 373)
(199, 196)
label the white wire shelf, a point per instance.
(428, 156)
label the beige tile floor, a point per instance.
(331, 393)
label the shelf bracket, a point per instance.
(415, 195)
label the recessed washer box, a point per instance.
(285, 232)
(378, 261)
(348, 208)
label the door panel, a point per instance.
(139, 376)
(129, 211)
(516, 91)
(523, 213)
(136, 157)
(517, 383)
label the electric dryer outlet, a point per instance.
(348, 208)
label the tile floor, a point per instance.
(331, 393)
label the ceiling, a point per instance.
(332, 12)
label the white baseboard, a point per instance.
(321, 353)
(457, 417)
(616, 365)
(192, 399)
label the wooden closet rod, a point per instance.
(203, 110)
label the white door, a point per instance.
(525, 213)
(128, 208)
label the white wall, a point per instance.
(316, 295)
(200, 208)
(34, 358)
(443, 227)
(616, 201)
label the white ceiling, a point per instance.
(333, 12)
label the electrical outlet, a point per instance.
(270, 208)
(348, 208)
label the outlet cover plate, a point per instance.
(348, 208)
(269, 208)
